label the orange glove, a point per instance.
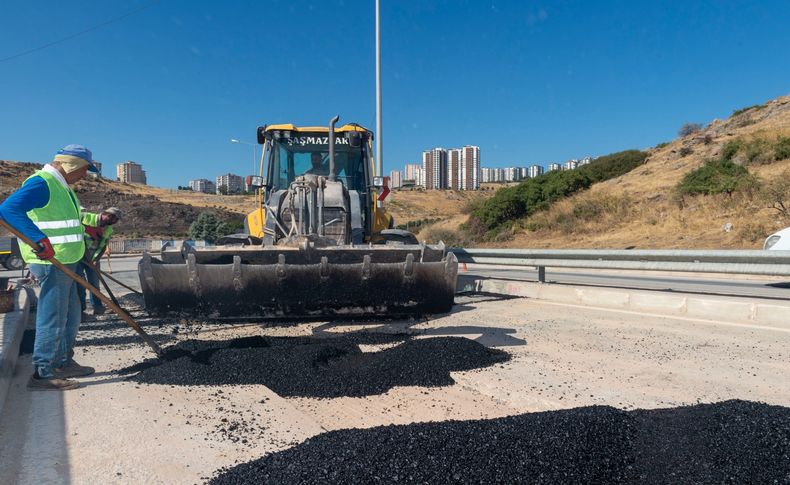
(45, 249)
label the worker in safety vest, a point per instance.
(98, 229)
(47, 211)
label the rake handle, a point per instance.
(117, 309)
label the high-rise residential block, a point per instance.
(535, 171)
(203, 185)
(419, 177)
(230, 184)
(434, 163)
(131, 173)
(410, 172)
(396, 181)
(570, 165)
(512, 174)
(469, 167)
(454, 169)
(554, 166)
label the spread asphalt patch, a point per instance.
(318, 367)
(728, 442)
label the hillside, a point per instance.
(642, 209)
(148, 211)
(156, 212)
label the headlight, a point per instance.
(771, 241)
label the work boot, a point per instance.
(73, 369)
(84, 317)
(98, 311)
(51, 384)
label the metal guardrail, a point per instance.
(118, 246)
(754, 262)
(135, 245)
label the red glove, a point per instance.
(45, 249)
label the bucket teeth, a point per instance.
(295, 283)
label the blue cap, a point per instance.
(81, 152)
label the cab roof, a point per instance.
(313, 129)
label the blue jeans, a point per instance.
(57, 318)
(93, 278)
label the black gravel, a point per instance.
(730, 442)
(318, 367)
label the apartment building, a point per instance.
(512, 174)
(396, 180)
(434, 165)
(419, 180)
(410, 171)
(233, 184)
(554, 166)
(454, 168)
(535, 171)
(203, 185)
(470, 168)
(131, 173)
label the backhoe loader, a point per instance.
(318, 243)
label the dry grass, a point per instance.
(409, 206)
(637, 209)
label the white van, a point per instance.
(778, 241)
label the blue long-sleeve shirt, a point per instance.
(33, 194)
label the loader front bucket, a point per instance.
(286, 282)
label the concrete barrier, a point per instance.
(12, 327)
(755, 311)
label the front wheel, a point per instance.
(398, 236)
(13, 262)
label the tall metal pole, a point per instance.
(379, 134)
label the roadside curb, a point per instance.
(755, 311)
(12, 327)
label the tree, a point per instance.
(689, 129)
(205, 227)
(222, 189)
(776, 194)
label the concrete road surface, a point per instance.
(113, 430)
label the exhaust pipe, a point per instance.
(332, 175)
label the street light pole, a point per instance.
(254, 162)
(379, 134)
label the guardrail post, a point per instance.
(541, 274)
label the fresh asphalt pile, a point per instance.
(318, 367)
(728, 442)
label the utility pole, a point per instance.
(379, 134)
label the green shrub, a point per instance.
(716, 177)
(758, 151)
(417, 226)
(782, 148)
(532, 195)
(743, 110)
(208, 227)
(731, 149)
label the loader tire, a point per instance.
(398, 236)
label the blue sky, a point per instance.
(528, 82)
